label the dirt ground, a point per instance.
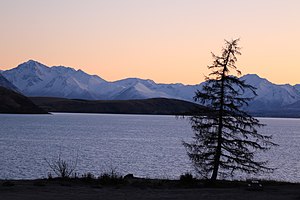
(30, 190)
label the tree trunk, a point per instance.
(219, 147)
(220, 127)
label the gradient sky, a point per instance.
(168, 41)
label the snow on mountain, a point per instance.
(139, 88)
(294, 106)
(5, 83)
(297, 87)
(269, 95)
(140, 91)
(36, 79)
(180, 91)
(128, 82)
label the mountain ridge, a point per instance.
(36, 79)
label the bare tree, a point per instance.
(62, 168)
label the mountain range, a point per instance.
(36, 79)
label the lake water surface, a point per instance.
(145, 145)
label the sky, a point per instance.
(168, 41)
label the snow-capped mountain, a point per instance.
(5, 83)
(269, 95)
(135, 88)
(139, 91)
(35, 79)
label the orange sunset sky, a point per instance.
(168, 41)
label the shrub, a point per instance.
(88, 176)
(62, 168)
(111, 178)
(187, 179)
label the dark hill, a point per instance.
(147, 106)
(13, 102)
(5, 83)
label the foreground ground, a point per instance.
(46, 190)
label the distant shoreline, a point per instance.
(154, 106)
(266, 117)
(179, 115)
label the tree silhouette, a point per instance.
(226, 137)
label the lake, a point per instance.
(144, 145)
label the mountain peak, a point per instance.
(134, 81)
(36, 79)
(254, 79)
(31, 60)
(32, 64)
(251, 76)
(61, 68)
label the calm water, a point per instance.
(147, 146)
